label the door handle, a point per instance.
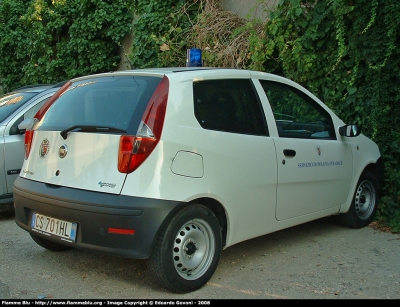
(289, 152)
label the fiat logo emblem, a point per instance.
(44, 148)
(62, 152)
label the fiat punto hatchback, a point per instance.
(173, 165)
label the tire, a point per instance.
(187, 250)
(50, 245)
(365, 202)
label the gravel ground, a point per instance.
(317, 260)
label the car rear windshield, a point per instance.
(11, 102)
(113, 101)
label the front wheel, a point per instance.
(187, 251)
(364, 205)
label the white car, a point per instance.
(174, 165)
(16, 106)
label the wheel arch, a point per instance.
(219, 211)
(376, 168)
(212, 204)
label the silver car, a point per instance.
(14, 107)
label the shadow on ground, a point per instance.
(6, 211)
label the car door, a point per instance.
(314, 167)
(14, 138)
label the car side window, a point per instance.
(296, 114)
(229, 105)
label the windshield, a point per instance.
(115, 102)
(11, 102)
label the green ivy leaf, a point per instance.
(351, 90)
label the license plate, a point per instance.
(51, 226)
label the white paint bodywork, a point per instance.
(244, 173)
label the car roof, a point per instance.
(32, 88)
(171, 70)
(37, 88)
(158, 71)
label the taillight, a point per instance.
(126, 143)
(28, 142)
(133, 150)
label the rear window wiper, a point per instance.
(83, 128)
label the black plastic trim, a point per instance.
(13, 171)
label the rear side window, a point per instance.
(229, 105)
(114, 101)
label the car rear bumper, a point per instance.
(94, 213)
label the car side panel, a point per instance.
(321, 168)
(14, 157)
(14, 142)
(5, 197)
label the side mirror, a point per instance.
(26, 124)
(350, 130)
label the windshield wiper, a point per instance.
(83, 128)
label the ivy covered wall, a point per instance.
(47, 41)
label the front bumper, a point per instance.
(94, 213)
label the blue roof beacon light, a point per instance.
(194, 58)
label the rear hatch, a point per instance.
(78, 141)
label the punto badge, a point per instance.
(44, 148)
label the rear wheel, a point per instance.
(50, 245)
(187, 251)
(364, 205)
